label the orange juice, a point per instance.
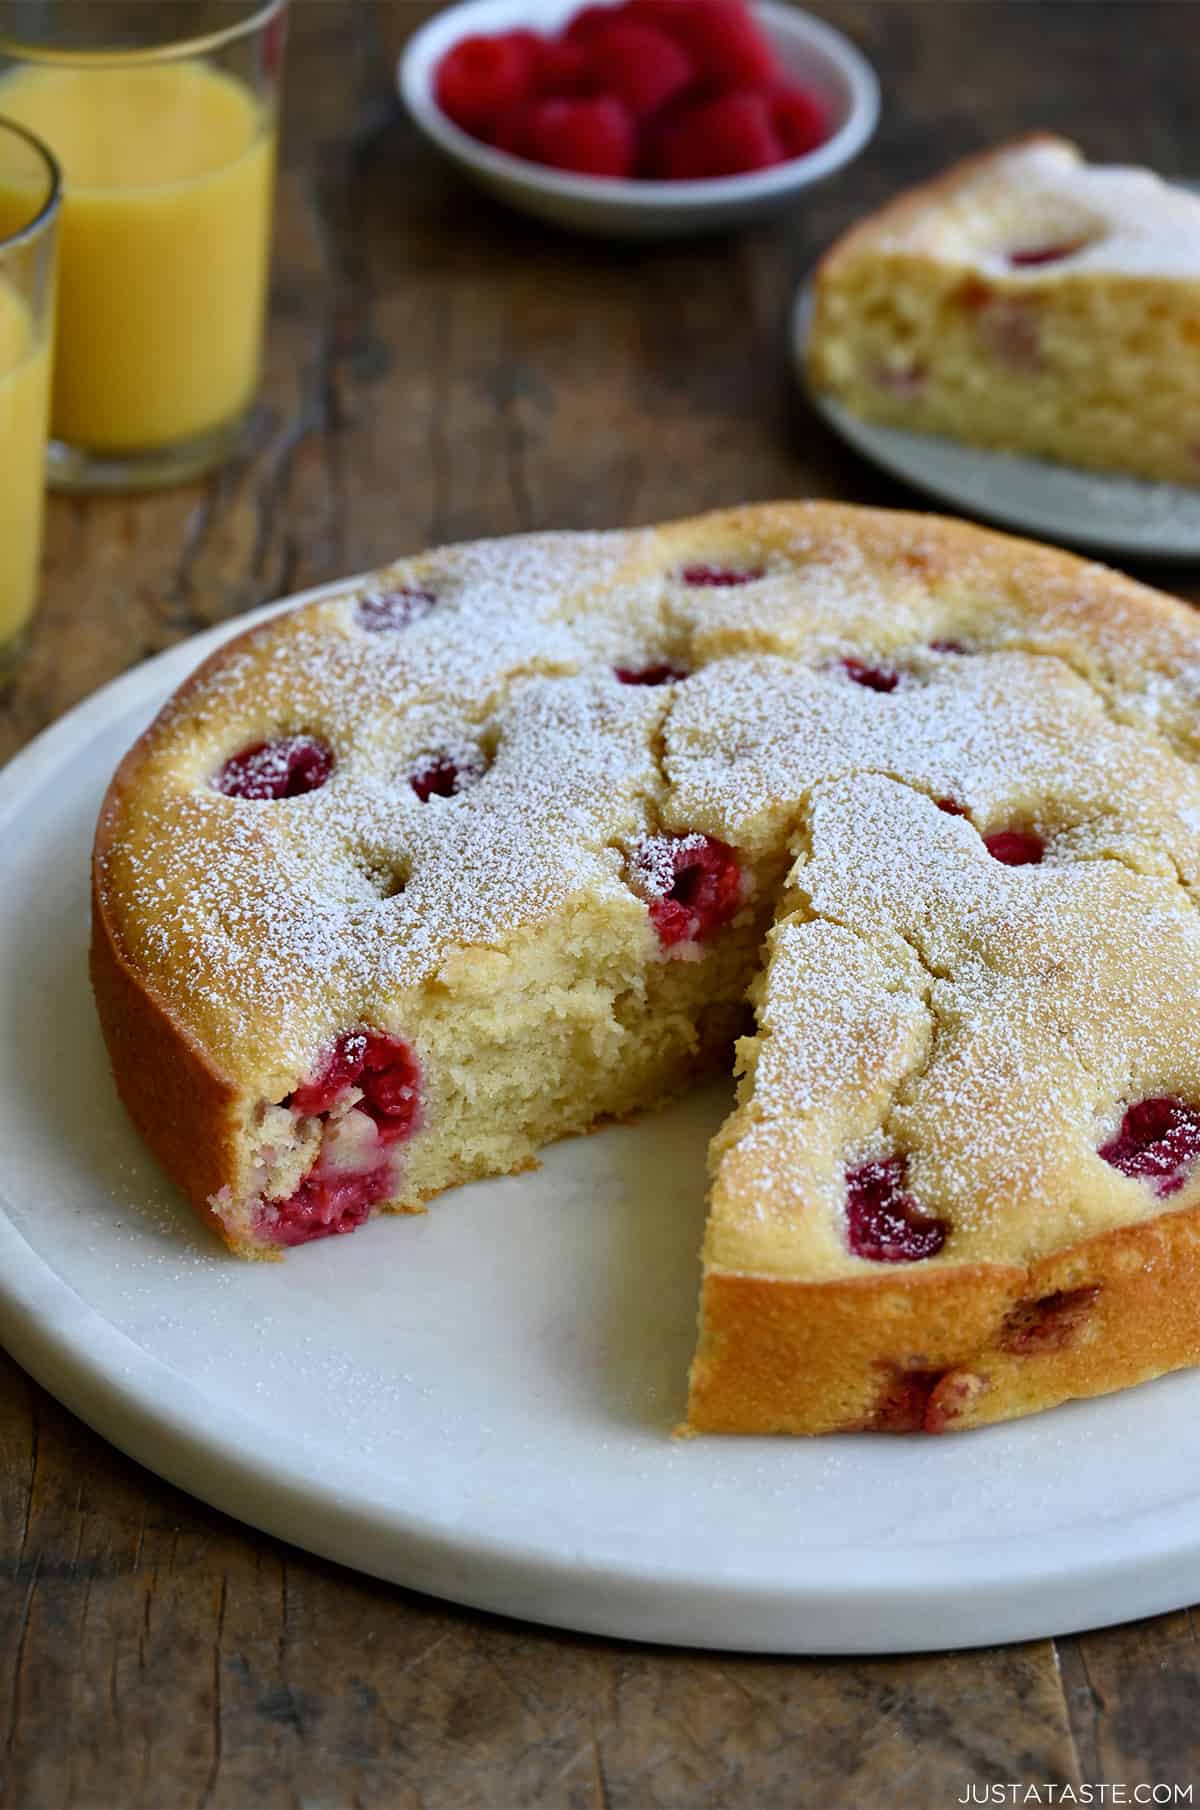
(24, 398)
(163, 248)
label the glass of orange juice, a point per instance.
(29, 213)
(167, 151)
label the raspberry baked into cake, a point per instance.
(410, 880)
(1028, 301)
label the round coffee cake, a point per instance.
(899, 816)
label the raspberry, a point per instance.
(973, 293)
(901, 1407)
(1158, 1142)
(382, 611)
(924, 1401)
(589, 20)
(510, 132)
(588, 137)
(951, 807)
(281, 769)
(1015, 848)
(339, 1068)
(800, 120)
(649, 675)
(638, 64)
(444, 775)
(874, 678)
(390, 1079)
(728, 46)
(906, 380)
(725, 136)
(693, 885)
(480, 78)
(561, 67)
(1030, 256)
(720, 575)
(386, 1071)
(324, 1206)
(721, 36)
(950, 1398)
(882, 1221)
(1010, 332)
(1049, 1324)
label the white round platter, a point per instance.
(1101, 512)
(479, 1403)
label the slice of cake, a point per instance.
(406, 882)
(1027, 301)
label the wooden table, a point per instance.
(439, 369)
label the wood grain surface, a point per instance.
(437, 369)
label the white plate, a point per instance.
(1099, 511)
(809, 50)
(478, 1403)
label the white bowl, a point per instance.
(809, 51)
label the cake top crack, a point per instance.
(983, 1023)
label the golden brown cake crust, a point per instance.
(177, 1098)
(904, 1345)
(945, 1352)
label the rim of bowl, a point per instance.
(414, 77)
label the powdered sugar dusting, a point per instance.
(654, 862)
(1040, 197)
(984, 1022)
(1033, 1002)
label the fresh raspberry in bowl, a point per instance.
(590, 135)
(680, 89)
(720, 135)
(483, 77)
(638, 64)
(658, 100)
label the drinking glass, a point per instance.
(167, 151)
(29, 213)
